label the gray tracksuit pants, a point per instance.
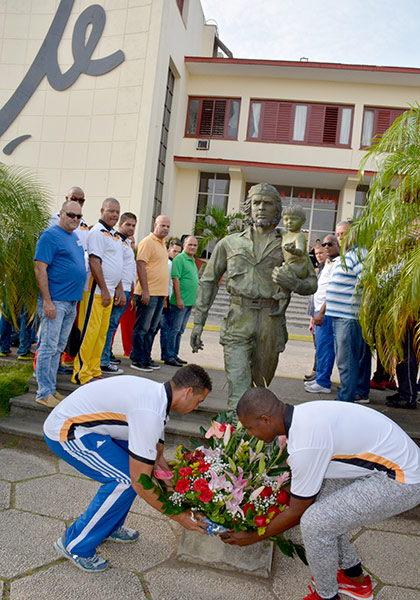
(342, 505)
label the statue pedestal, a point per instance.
(212, 552)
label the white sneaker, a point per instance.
(315, 388)
(361, 399)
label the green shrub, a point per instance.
(13, 382)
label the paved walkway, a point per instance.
(40, 495)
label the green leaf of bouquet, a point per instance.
(286, 546)
(202, 430)
(300, 551)
(146, 481)
(195, 442)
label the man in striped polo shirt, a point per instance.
(352, 354)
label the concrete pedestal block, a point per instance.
(212, 552)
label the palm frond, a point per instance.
(389, 229)
(215, 224)
(24, 214)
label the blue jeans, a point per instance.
(165, 325)
(325, 354)
(54, 335)
(179, 320)
(25, 334)
(145, 328)
(353, 358)
(114, 319)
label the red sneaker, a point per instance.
(313, 595)
(377, 385)
(354, 590)
(391, 385)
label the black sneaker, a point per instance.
(114, 360)
(173, 363)
(395, 401)
(112, 369)
(153, 365)
(183, 362)
(141, 367)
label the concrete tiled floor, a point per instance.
(40, 495)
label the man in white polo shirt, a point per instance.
(350, 466)
(102, 282)
(126, 228)
(113, 431)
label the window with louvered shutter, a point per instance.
(383, 118)
(301, 123)
(206, 122)
(269, 120)
(330, 125)
(213, 118)
(316, 124)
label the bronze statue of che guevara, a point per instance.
(254, 268)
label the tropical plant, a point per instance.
(389, 229)
(215, 224)
(24, 214)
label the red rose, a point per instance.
(261, 520)
(200, 485)
(247, 506)
(283, 497)
(267, 492)
(188, 456)
(198, 455)
(275, 510)
(203, 466)
(185, 471)
(206, 495)
(182, 486)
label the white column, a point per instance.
(236, 189)
(347, 199)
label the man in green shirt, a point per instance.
(185, 284)
(253, 262)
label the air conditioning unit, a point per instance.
(203, 144)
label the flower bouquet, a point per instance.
(236, 481)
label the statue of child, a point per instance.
(294, 252)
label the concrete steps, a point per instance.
(26, 417)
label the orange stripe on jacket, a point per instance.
(81, 419)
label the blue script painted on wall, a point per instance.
(46, 62)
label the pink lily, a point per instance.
(282, 442)
(239, 482)
(256, 493)
(219, 482)
(283, 478)
(232, 505)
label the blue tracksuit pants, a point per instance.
(106, 460)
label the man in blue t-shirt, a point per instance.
(60, 273)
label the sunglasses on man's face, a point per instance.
(72, 215)
(79, 200)
(329, 244)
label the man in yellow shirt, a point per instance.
(150, 293)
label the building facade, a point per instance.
(130, 99)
